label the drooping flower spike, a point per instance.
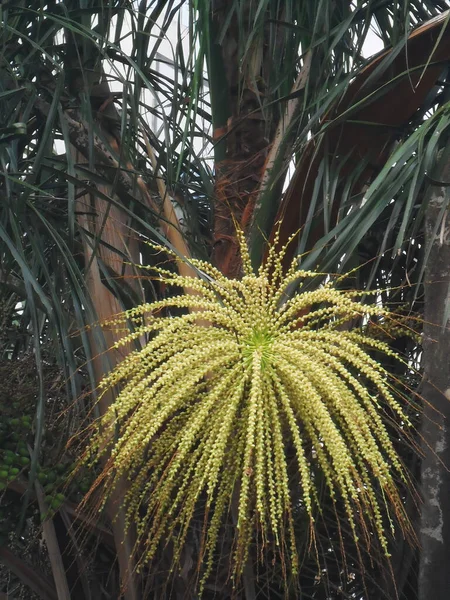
(235, 380)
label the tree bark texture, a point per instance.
(247, 136)
(434, 526)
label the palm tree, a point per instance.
(269, 116)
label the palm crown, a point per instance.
(299, 132)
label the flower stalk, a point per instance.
(237, 383)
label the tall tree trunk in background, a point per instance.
(107, 243)
(434, 528)
(111, 225)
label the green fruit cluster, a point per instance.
(14, 454)
(16, 437)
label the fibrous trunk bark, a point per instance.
(434, 527)
(246, 137)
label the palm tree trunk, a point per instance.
(246, 138)
(434, 528)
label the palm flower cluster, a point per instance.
(238, 385)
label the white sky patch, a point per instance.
(373, 43)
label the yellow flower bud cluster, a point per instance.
(233, 392)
